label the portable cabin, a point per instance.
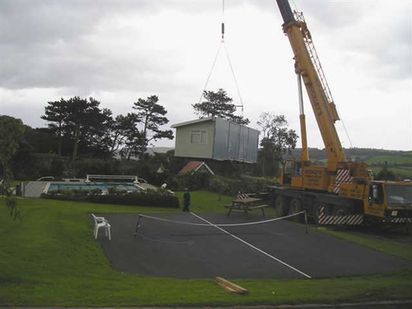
(216, 138)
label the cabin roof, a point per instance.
(186, 123)
(213, 119)
(193, 166)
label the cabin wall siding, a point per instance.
(184, 147)
(225, 141)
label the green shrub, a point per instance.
(222, 185)
(81, 168)
(231, 186)
(116, 191)
(27, 165)
(11, 204)
(196, 181)
(150, 198)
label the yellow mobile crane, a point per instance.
(342, 192)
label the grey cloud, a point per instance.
(37, 22)
(54, 43)
(334, 14)
(388, 47)
(386, 44)
(396, 48)
(331, 13)
(80, 65)
(57, 44)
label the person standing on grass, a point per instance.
(186, 200)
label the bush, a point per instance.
(81, 168)
(385, 174)
(151, 199)
(231, 186)
(193, 182)
(142, 199)
(11, 204)
(222, 185)
(27, 165)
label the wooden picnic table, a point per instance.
(246, 204)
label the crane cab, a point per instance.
(389, 200)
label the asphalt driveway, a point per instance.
(275, 250)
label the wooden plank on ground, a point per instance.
(230, 286)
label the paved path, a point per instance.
(268, 251)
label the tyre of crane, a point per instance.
(340, 210)
(372, 222)
(281, 205)
(295, 206)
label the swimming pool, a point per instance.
(84, 186)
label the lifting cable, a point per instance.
(346, 131)
(222, 43)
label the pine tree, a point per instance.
(218, 104)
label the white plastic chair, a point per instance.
(101, 222)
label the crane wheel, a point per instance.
(340, 210)
(295, 206)
(281, 205)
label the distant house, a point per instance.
(161, 169)
(216, 138)
(151, 151)
(193, 167)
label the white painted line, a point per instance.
(253, 247)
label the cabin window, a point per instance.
(198, 137)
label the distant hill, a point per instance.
(152, 150)
(399, 162)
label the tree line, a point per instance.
(80, 129)
(81, 126)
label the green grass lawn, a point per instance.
(401, 171)
(376, 242)
(405, 158)
(203, 201)
(50, 258)
(400, 164)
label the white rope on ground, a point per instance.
(221, 225)
(254, 247)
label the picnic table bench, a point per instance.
(246, 204)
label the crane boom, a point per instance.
(309, 67)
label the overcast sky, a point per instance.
(118, 51)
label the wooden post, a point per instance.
(138, 225)
(306, 221)
(230, 286)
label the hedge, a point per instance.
(150, 199)
(224, 185)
